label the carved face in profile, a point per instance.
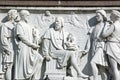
(24, 14)
(47, 13)
(15, 15)
(26, 17)
(99, 17)
(12, 14)
(58, 23)
(113, 17)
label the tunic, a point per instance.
(98, 46)
(8, 43)
(112, 32)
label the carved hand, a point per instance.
(48, 58)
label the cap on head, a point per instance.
(103, 13)
(12, 12)
(116, 13)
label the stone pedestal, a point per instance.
(77, 20)
(73, 78)
(54, 73)
(1, 76)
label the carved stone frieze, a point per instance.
(73, 43)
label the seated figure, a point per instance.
(54, 47)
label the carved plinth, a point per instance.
(1, 76)
(73, 78)
(54, 73)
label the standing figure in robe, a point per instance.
(8, 43)
(28, 61)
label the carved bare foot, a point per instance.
(82, 75)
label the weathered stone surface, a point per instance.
(77, 23)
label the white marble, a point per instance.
(59, 43)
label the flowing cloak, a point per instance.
(53, 45)
(98, 46)
(28, 61)
(112, 32)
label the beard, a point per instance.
(57, 27)
(26, 20)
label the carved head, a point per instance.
(12, 14)
(59, 23)
(70, 37)
(47, 13)
(115, 15)
(101, 15)
(72, 13)
(24, 14)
